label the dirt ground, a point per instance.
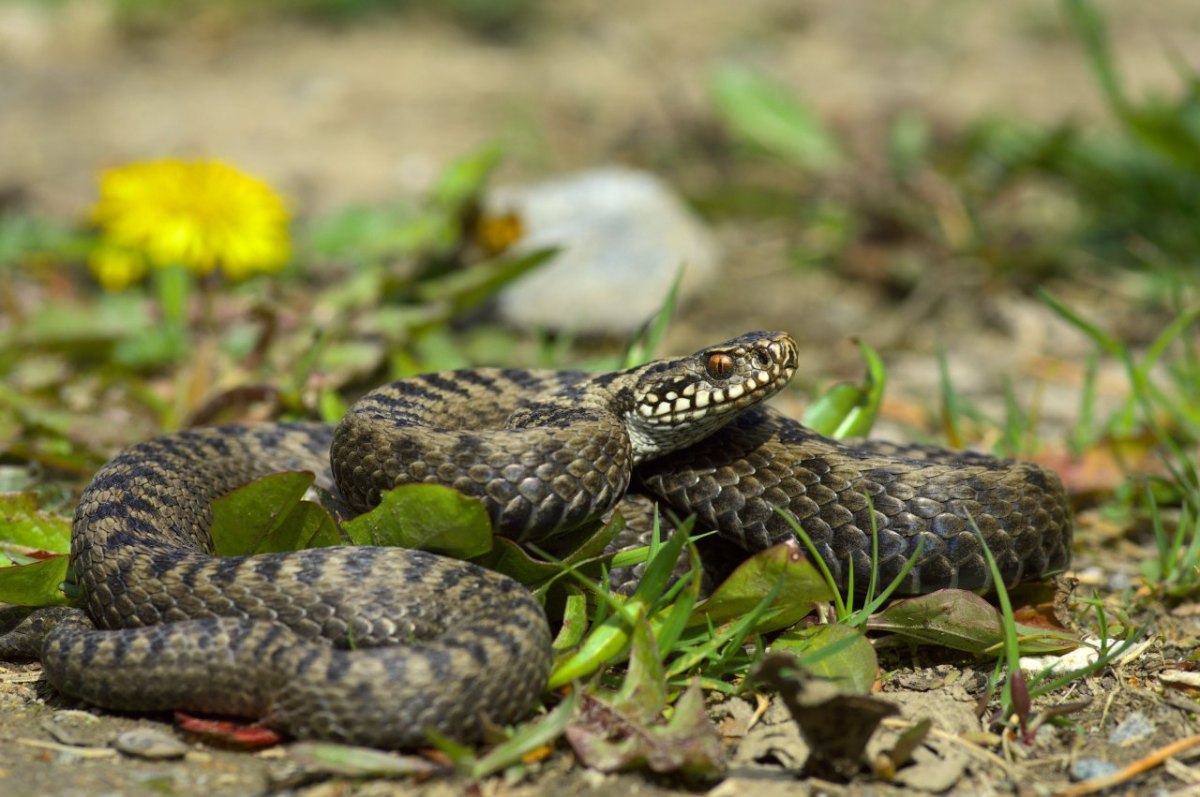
(369, 112)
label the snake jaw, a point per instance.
(678, 402)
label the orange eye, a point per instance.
(719, 366)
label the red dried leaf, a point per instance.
(228, 733)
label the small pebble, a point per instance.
(1089, 768)
(77, 729)
(1134, 728)
(150, 743)
(1046, 734)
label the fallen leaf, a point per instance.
(837, 725)
(227, 733)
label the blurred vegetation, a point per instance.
(492, 18)
(1137, 187)
(1029, 201)
(384, 291)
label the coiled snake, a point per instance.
(378, 646)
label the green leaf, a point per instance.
(346, 761)
(800, 588)
(430, 517)
(836, 652)
(847, 410)
(591, 542)
(645, 343)
(465, 179)
(574, 620)
(62, 326)
(526, 739)
(604, 643)
(671, 623)
(512, 560)
(35, 584)
(585, 546)
(1089, 24)
(23, 524)
(365, 234)
(643, 693)
(961, 620)
(660, 567)
(267, 515)
(610, 637)
(770, 117)
(465, 289)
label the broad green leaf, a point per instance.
(512, 560)
(837, 652)
(23, 524)
(35, 584)
(961, 620)
(267, 515)
(801, 588)
(770, 117)
(847, 410)
(430, 517)
(584, 548)
(308, 525)
(592, 542)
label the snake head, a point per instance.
(680, 401)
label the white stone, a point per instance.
(622, 234)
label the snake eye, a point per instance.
(719, 366)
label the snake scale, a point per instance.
(379, 646)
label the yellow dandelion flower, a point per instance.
(116, 268)
(199, 214)
(497, 233)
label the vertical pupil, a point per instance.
(720, 365)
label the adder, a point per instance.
(380, 646)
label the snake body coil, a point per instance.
(379, 646)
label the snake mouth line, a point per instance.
(751, 373)
(693, 404)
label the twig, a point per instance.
(82, 752)
(763, 702)
(1138, 767)
(20, 677)
(968, 746)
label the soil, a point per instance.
(369, 112)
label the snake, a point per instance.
(387, 647)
